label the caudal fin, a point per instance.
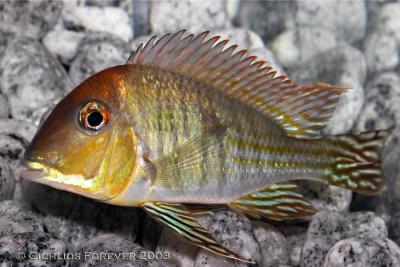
(357, 164)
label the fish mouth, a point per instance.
(40, 173)
(32, 173)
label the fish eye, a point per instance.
(94, 116)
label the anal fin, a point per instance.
(277, 202)
(180, 219)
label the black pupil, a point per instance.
(95, 119)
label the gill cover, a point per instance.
(87, 144)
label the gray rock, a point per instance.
(386, 20)
(263, 53)
(139, 11)
(273, 245)
(381, 109)
(325, 197)
(4, 40)
(79, 217)
(31, 79)
(295, 236)
(7, 181)
(246, 39)
(234, 232)
(394, 225)
(111, 20)
(205, 219)
(388, 201)
(18, 194)
(346, 19)
(293, 48)
(151, 233)
(267, 18)
(4, 107)
(324, 231)
(181, 252)
(131, 253)
(365, 225)
(167, 16)
(70, 231)
(363, 252)
(19, 128)
(344, 66)
(12, 149)
(63, 44)
(29, 18)
(327, 228)
(98, 51)
(16, 219)
(373, 8)
(314, 252)
(26, 249)
(129, 7)
(381, 52)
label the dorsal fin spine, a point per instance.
(195, 43)
(241, 67)
(185, 42)
(144, 52)
(251, 71)
(211, 57)
(205, 51)
(157, 48)
(194, 49)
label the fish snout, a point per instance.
(32, 171)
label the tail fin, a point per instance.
(357, 164)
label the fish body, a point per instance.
(187, 121)
(250, 151)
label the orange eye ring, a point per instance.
(94, 116)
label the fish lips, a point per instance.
(31, 173)
(36, 172)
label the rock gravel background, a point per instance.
(48, 47)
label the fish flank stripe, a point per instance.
(259, 147)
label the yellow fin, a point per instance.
(277, 202)
(301, 109)
(180, 219)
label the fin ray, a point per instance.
(183, 162)
(179, 218)
(277, 202)
(357, 161)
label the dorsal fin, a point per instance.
(301, 109)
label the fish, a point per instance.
(192, 120)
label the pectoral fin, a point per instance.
(189, 160)
(277, 202)
(181, 220)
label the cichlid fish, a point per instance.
(188, 121)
